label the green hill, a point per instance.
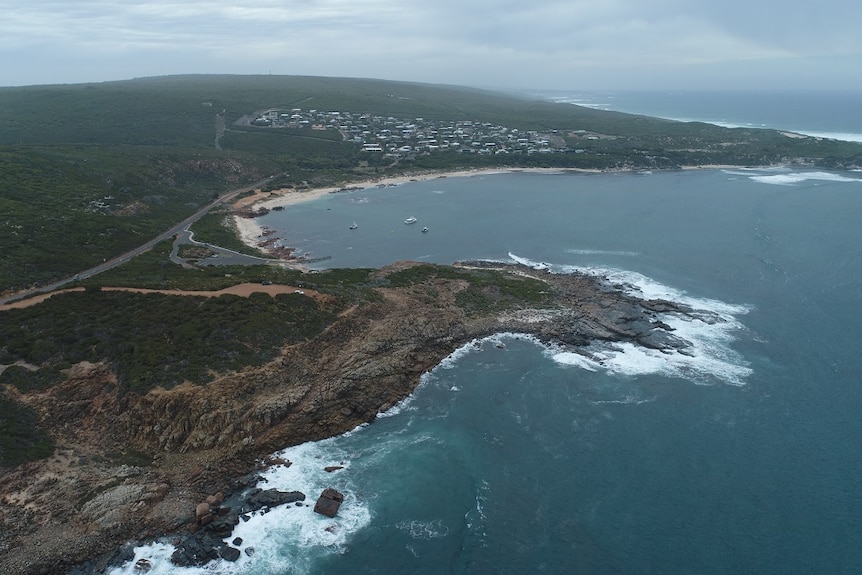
(88, 171)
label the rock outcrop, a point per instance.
(329, 502)
(215, 519)
(137, 466)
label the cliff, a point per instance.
(133, 466)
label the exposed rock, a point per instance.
(328, 502)
(332, 468)
(229, 553)
(259, 499)
(190, 442)
(205, 544)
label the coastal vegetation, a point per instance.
(89, 171)
(153, 340)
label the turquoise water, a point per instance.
(512, 458)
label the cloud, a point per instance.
(478, 42)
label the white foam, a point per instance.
(789, 179)
(479, 344)
(627, 400)
(289, 537)
(602, 253)
(423, 529)
(845, 136)
(709, 330)
(577, 360)
(307, 474)
(406, 403)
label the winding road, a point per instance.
(123, 258)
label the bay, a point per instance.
(508, 459)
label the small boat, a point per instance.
(424, 230)
(410, 220)
(353, 226)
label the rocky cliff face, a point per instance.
(135, 466)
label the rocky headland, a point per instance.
(133, 467)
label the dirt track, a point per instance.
(243, 290)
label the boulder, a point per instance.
(328, 502)
(142, 566)
(195, 552)
(258, 498)
(332, 468)
(229, 553)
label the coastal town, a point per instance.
(400, 138)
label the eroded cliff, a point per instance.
(133, 466)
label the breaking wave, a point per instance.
(710, 329)
(785, 177)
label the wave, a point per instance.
(784, 176)
(602, 252)
(844, 136)
(292, 539)
(286, 539)
(710, 330)
(791, 178)
(423, 529)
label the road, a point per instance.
(123, 258)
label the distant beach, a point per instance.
(252, 233)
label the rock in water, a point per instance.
(328, 502)
(259, 499)
(230, 554)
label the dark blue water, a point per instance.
(512, 459)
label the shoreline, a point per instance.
(253, 234)
(427, 351)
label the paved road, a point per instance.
(123, 258)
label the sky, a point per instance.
(505, 44)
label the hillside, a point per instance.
(89, 171)
(127, 399)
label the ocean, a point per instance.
(824, 114)
(513, 457)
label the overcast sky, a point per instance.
(523, 44)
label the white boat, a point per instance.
(410, 220)
(353, 226)
(424, 230)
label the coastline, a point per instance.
(193, 476)
(254, 235)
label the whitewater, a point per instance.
(513, 456)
